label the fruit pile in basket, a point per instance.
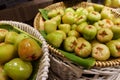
(18, 50)
(93, 31)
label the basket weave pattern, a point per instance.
(44, 61)
(103, 70)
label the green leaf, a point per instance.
(13, 28)
(44, 13)
(86, 63)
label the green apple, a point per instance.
(73, 33)
(57, 19)
(3, 75)
(98, 7)
(106, 13)
(114, 47)
(29, 49)
(94, 16)
(99, 24)
(69, 9)
(3, 33)
(17, 69)
(52, 13)
(80, 19)
(104, 35)
(50, 26)
(83, 48)
(116, 3)
(63, 33)
(7, 52)
(89, 32)
(65, 27)
(80, 27)
(55, 39)
(108, 3)
(68, 18)
(11, 37)
(70, 43)
(81, 11)
(100, 52)
(108, 23)
(90, 8)
(116, 31)
(105, 23)
(74, 26)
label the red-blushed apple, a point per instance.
(100, 52)
(29, 49)
(83, 48)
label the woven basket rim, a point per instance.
(44, 63)
(109, 63)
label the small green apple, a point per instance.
(74, 26)
(50, 26)
(81, 11)
(70, 43)
(94, 16)
(106, 13)
(65, 27)
(89, 32)
(17, 69)
(11, 37)
(73, 33)
(98, 7)
(3, 33)
(52, 13)
(55, 39)
(68, 18)
(80, 27)
(108, 3)
(7, 52)
(57, 19)
(116, 31)
(114, 47)
(62, 32)
(90, 8)
(69, 9)
(80, 19)
(116, 3)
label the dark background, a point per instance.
(25, 10)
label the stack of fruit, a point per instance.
(93, 31)
(17, 51)
(112, 3)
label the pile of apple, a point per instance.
(93, 31)
(112, 3)
(17, 51)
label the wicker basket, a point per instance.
(42, 73)
(63, 69)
